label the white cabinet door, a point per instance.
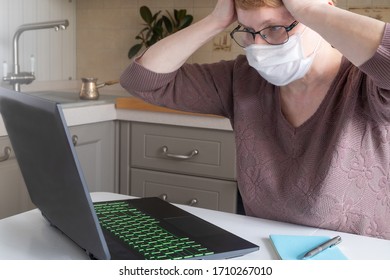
(97, 152)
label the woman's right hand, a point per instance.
(224, 13)
(168, 54)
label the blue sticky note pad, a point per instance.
(294, 247)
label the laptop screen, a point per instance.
(50, 168)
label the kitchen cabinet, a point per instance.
(14, 197)
(97, 152)
(184, 165)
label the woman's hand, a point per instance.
(168, 54)
(224, 13)
(298, 8)
(356, 37)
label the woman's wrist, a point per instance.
(213, 26)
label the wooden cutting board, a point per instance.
(134, 103)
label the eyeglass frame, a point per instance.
(286, 28)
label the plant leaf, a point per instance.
(143, 30)
(181, 14)
(186, 21)
(170, 17)
(134, 50)
(168, 24)
(159, 23)
(146, 14)
(176, 15)
(157, 32)
(152, 40)
(155, 16)
(158, 26)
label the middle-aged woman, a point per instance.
(309, 106)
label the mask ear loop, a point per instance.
(318, 43)
(303, 31)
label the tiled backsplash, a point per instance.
(106, 30)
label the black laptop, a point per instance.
(142, 228)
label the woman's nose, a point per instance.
(259, 39)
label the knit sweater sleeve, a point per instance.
(193, 88)
(377, 84)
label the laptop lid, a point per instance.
(50, 168)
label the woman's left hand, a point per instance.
(298, 7)
(357, 37)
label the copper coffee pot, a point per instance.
(89, 88)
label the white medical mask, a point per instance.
(281, 64)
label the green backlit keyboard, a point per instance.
(144, 233)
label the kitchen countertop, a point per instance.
(115, 103)
(134, 109)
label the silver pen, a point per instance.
(330, 243)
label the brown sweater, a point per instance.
(331, 172)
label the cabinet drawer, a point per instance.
(200, 192)
(194, 151)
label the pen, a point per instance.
(330, 243)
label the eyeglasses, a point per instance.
(273, 35)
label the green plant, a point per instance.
(159, 26)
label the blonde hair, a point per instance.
(249, 4)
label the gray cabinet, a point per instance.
(14, 197)
(185, 150)
(97, 152)
(183, 165)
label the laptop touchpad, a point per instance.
(194, 225)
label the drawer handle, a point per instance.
(193, 202)
(7, 154)
(75, 139)
(180, 157)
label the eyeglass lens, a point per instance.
(274, 35)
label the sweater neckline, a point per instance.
(312, 119)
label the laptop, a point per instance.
(139, 228)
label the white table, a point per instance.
(29, 236)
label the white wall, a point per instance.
(54, 52)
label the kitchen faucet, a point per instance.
(16, 78)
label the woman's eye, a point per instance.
(275, 28)
(250, 30)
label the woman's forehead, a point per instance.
(264, 16)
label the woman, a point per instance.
(309, 105)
